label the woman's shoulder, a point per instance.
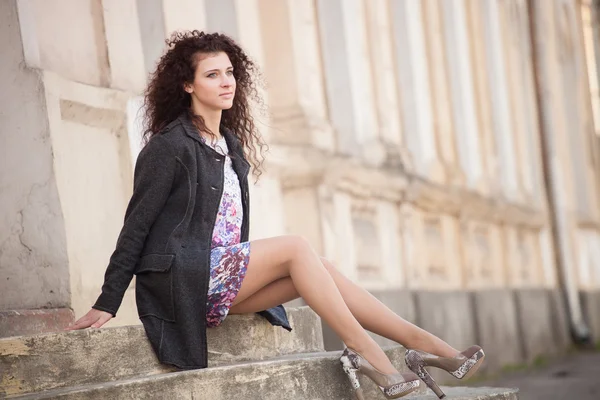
(173, 136)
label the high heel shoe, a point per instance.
(393, 386)
(462, 366)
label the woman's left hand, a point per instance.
(94, 318)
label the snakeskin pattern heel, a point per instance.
(417, 365)
(350, 371)
(393, 386)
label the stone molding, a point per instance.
(301, 166)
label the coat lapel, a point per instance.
(240, 165)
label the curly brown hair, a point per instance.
(165, 98)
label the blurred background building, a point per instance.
(444, 153)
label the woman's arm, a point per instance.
(153, 178)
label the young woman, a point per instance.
(185, 234)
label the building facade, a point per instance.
(443, 153)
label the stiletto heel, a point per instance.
(350, 371)
(428, 379)
(417, 365)
(392, 386)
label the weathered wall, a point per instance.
(33, 250)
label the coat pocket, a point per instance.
(154, 286)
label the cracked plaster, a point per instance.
(33, 259)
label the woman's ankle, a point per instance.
(371, 351)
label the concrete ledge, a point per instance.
(250, 337)
(534, 310)
(29, 322)
(448, 315)
(590, 304)
(467, 393)
(560, 321)
(42, 362)
(497, 326)
(306, 376)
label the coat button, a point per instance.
(214, 188)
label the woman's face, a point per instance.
(214, 84)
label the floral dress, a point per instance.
(228, 257)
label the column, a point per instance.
(441, 103)
(238, 19)
(221, 16)
(413, 76)
(489, 160)
(183, 14)
(591, 37)
(348, 73)
(125, 47)
(152, 31)
(501, 116)
(462, 93)
(590, 20)
(82, 57)
(292, 67)
(572, 67)
(384, 74)
(513, 24)
(533, 144)
(34, 261)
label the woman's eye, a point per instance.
(229, 72)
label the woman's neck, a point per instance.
(212, 119)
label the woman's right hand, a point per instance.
(94, 318)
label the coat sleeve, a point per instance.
(153, 179)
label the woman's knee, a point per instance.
(298, 245)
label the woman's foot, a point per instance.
(461, 366)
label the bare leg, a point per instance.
(291, 256)
(372, 314)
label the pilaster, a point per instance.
(295, 81)
(462, 92)
(414, 87)
(349, 85)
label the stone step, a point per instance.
(42, 362)
(300, 376)
(471, 393)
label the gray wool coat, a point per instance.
(166, 238)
